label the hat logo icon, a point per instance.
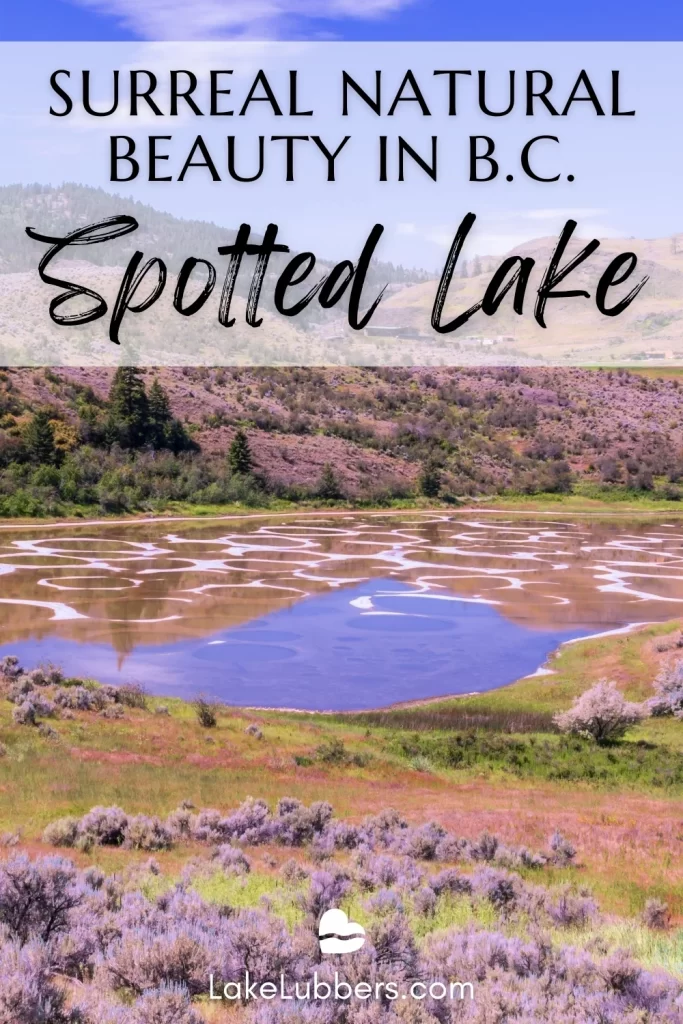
(339, 935)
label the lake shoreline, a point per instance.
(569, 507)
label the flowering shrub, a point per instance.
(133, 695)
(668, 699)
(168, 1004)
(602, 713)
(656, 914)
(397, 845)
(78, 947)
(36, 897)
(78, 698)
(232, 860)
(24, 714)
(29, 993)
(68, 695)
(147, 833)
(561, 850)
(105, 826)
(10, 667)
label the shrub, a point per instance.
(28, 993)
(572, 910)
(293, 873)
(46, 675)
(20, 689)
(232, 860)
(668, 699)
(147, 833)
(113, 711)
(77, 698)
(602, 713)
(255, 731)
(10, 667)
(62, 832)
(24, 714)
(36, 897)
(326, 889)
(43, 707)
(205, 712)
(133, 695)
(562, 851)
(168, 1004)
(656, 914)
(334, 752)
(105, 826)
(424, 902)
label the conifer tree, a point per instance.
(239, 454)
(128, 422)
(39, 439)
(160, 418)
(430, 480)
(328, 485)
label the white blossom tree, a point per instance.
(601, 712)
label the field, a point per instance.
(483, 766)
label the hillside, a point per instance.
(651, 329)
(487, 430)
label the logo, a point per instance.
(338, 934)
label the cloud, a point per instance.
(234, 19)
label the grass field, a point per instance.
(490, 761)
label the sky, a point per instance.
(341, 19)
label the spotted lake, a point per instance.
(328, 611)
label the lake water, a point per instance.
(329, 611)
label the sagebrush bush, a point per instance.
(24, 713)
(10, 667)
(656, 914)
(232, 860)
(295, 825)
(133, 695)
(79, 947)
(36, 897)
(206, 713)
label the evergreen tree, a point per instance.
(476, 269)
(177, 439)
(128, 423)
(463, 272)
(328, 485)
(39, 439)
(239, 455)
(160, 418)
(430, 480)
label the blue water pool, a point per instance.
(365, 646)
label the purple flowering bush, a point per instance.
(293, 824)
(81, 947)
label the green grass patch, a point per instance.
(550, 758)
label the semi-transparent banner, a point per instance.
(341, 203)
